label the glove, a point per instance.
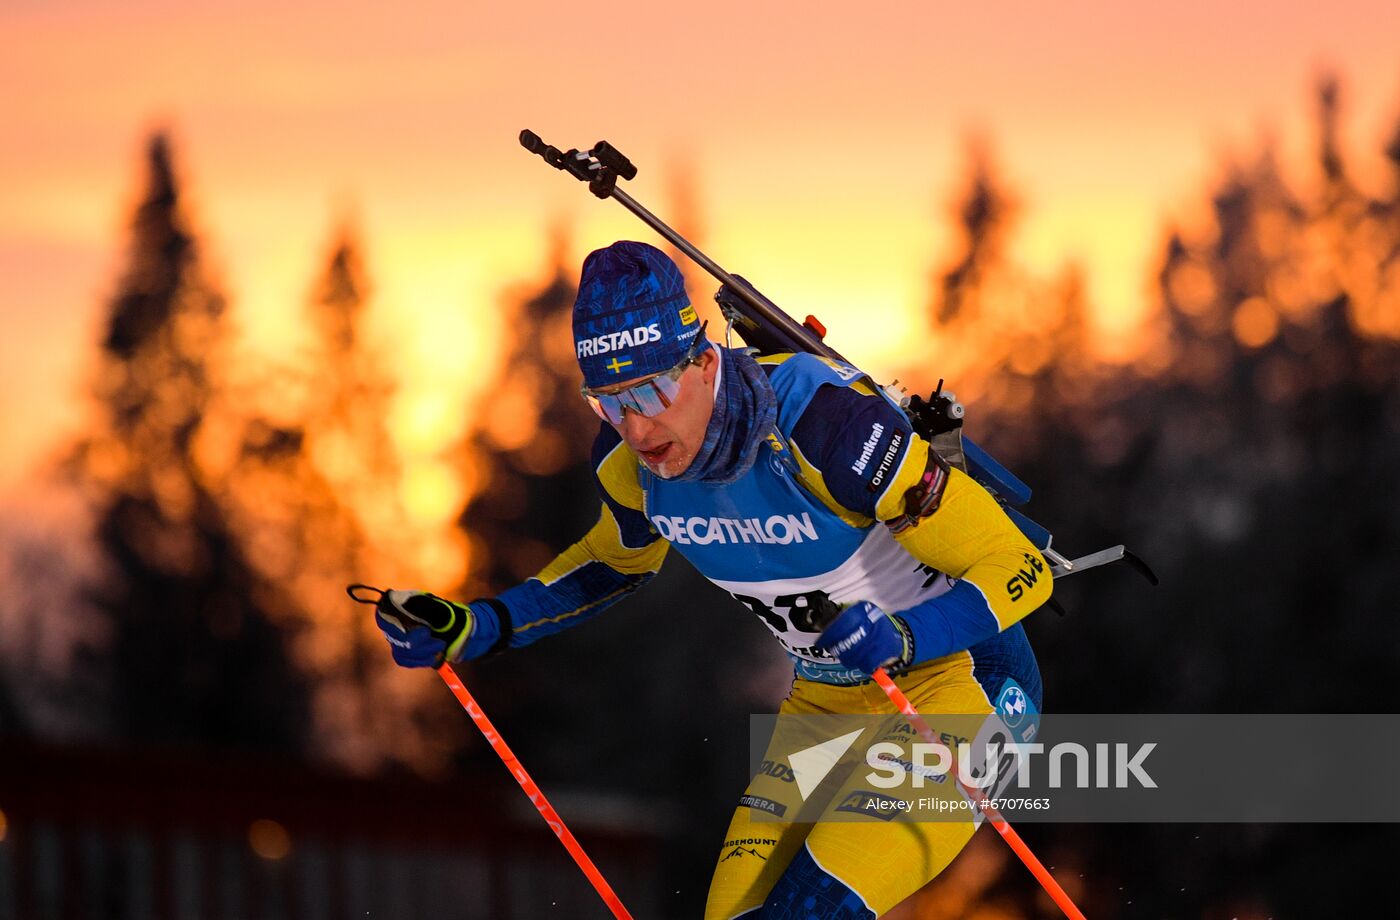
(864, 637)
(423, 629)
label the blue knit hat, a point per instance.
(632, 317)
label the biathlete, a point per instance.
(795, 484)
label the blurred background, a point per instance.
(283, 306)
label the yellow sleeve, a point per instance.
(971, 538)
(603, 543)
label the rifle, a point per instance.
(763, 325)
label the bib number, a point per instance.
(805, 613)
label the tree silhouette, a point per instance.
(985, 214)
(533, 494)
(312, 490)
(192, 656)
(1247, 466)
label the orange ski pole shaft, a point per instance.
(551, 817)
(1013, 839)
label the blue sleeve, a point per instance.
(951, 622)
(534, 609)
(856, 441)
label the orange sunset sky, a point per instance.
(826, 142)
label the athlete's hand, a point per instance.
(423, 629)
(864, 637)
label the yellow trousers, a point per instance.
(882, 860)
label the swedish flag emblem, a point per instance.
(616, 366)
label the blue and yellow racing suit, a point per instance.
(838, 507)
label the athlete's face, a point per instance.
(668, 442)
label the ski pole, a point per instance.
(551, 817)
(371, 596)
(1013, 839)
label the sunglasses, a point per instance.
(649, 397)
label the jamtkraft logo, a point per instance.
(780, 528)
(868, 449)
(627, 338)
